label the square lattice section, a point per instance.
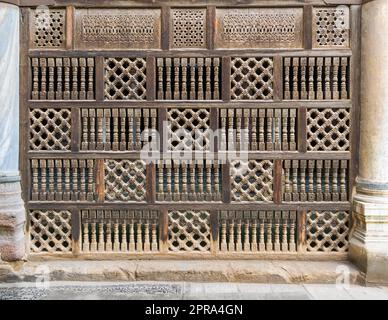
(327, 231)
(328, 129)
(252, 180)
(125, 79)
(125, 180)
(47, 28)
(189, 230)
(188, 28)
(331, 27)
(50, 129)
(50, 231)
(188, 129)
(251, 78)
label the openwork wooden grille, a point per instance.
(189, 231)
(125, 79)
(327, 230)
(50, 231)
(47, 28)
(192, 130)
(62, 78)
(258, 129)
(252, 231)
(331, 27)
(188, 78)
(50, 129)
(321, 78)
(251, 78)
(117, 129)
(119, 230)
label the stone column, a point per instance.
(369, 237)
(12, 212)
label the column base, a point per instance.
(12, 219)
(368, 247)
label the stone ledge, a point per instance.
(285, 272)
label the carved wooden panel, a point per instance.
(120, 231)
(117, 129)
(251, 78)
(327, 231)
(63, 179)
(188, 129)
(315, 180)
(125, 79)
(188, 230)
(331, 27)
(117, 28)
(253, 231)
(259, 28)
(328, 129)
(252, 180)
(50, 231)
(125, 180)
(62, 78)
(50, 129)
(321, 78)
(188, 181)
(257, 129)
(188, 28)
(47, 28)
(189, 78)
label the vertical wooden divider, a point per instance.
(301, 230)
(75, 129)
(214, 231)
(277, 197)
(100, 176)
(307, 26)
(163, 230)
(226, 182)
(99, 82)
(165, 32)
(302, 129)
(151, 79)
(76, 231)
(278, 78)
(210, 26)
(69, 27)
(151, 183)
(225, 79)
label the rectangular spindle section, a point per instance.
(62, 78)
(188, 180)
(316, 78)
(257, 231)
(188, 78)
(315, 180)
(63, 180)
(119, 231)
(257, 129)
(126, 129)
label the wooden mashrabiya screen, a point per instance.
(101, 83)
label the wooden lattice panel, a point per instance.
(252, 180)
(259, 28)
(47, 28)
(121, 28)
(63, 180)
(257, 129)
(331, 27)
(62, 78)
(50, 231)
(315, 180)
(327, 231)
(188, 129)
(321, 78)
(125, 79)
(251, 78)
(117, 129)
(328, 129)
(188, 230)
(253, 231)
(125, 180)
(189, 78)
(188, 28)
(188, 181)
(120, 231)
(50, 129)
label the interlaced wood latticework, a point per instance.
(189, 130)
(50, 231)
